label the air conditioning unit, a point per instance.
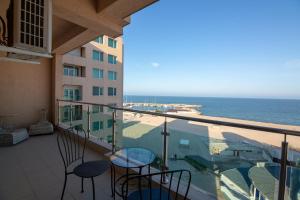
(29, 24)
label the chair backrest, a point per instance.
(70, 145)
(167, 185)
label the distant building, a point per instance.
(92, 73)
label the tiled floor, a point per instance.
(33, 169)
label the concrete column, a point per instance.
(57, 91)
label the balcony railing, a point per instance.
(227, 158)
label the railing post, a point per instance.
(113, 142)
(283, 163)
(71, 115)
(88, 121)
(165, 151)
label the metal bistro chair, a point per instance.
(144, 188)
(72, 147)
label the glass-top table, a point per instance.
(129, 158)
(134, 157)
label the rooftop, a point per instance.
(240, 177)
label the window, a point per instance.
(72, 94)
(112, 91)
(109, 123)
(66, 114)
(34, 15)
(112, 59)
(97, 73)
(99, 39)
(112, 75)
(71, 71)
(76, 113)
(66, 71)
(97, 125)
(97, 55)
(97, 91)
(66, 94)
(82, 52)
(77, 94)
(112, 43)
(97, 108)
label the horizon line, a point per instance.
(224, 97)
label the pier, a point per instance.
(165, 108)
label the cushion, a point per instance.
(8, 138)
(19, 135)
(42, 127)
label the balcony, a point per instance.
(222, 168)
(33, 169)
(224, 156)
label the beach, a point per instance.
(208, 145)
(221, 132)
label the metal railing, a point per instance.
(165, 134)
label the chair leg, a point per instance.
(93, 188)
(82, 185)
(63, 192)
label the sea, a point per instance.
(279, 111)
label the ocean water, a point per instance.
(279, 111)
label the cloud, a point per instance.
(293, 64)
(155, 64)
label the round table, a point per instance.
(129, 158)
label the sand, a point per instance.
(221, 132)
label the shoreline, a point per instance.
(223, 132)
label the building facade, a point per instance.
(92, 73)
(28, 86)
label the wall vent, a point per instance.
(31, 25)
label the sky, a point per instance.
(214, 48)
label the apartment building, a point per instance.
(31, 83)
(92, 73)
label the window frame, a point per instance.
(99, 39)
(100, 91)
(99, 73)
(99, 56)
(113, 90)
(97, 127)
(113, 57)
(113, 77)
(70, 70)
(112, 43)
